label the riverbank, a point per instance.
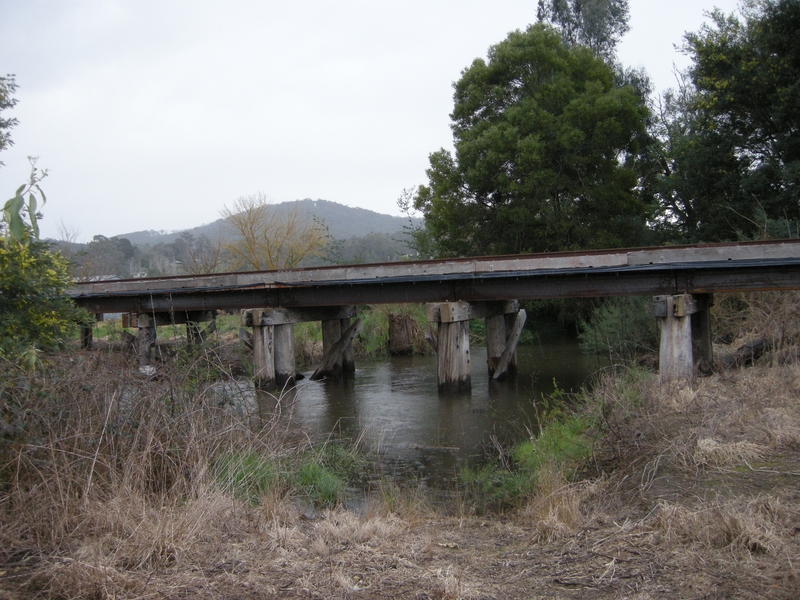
(684, 493)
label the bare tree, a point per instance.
(266, 236)
(203, 256)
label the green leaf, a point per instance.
(32, 215)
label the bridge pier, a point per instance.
(685, 326)
(453, 366)
(332, 330)
(274, 364)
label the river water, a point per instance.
(391, 407)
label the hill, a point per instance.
(344, 222)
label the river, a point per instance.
(392, 408)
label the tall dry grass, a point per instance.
(103, 471)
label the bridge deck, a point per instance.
(639, 271)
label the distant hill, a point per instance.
(344, 222)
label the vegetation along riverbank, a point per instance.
(115, 485)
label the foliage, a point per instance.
(596, 24)
(104, 257)
(546, 154)
(36, 315)
(732, 131)
(8, 86)
(265, 238)
(622, 327)
(35, 312)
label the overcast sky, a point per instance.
(153, 114)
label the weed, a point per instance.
(247, 475)
(319, 483)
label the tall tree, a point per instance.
(596, 24)
(734, 151)
(546, 146)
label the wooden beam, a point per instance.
(334, 354)
(264, 357)
(283, 316)
(511, 346)
(432, 337)
(450, 312)
(246, 337)
(331, 334)
(675, 356)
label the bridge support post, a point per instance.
(331, 334)
(498, 328)
(285, 366)
(264, 357)
(453, 369)
(87, 333)
(280, 322)
(681, 346)
(348, 357)
(146, 338)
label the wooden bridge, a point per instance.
(681, 280)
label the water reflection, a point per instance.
(392, 406)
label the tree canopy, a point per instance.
(732, 132)
(595, 24)
(546, 145)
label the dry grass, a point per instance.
(110, 489)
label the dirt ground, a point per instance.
(692, 493)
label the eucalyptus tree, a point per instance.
(732, 154)
(546, 150)
(596, 24)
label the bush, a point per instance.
(623, 327)
(35, 312)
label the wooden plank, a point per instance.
(667, 255)
(615, 259)
(335, 353)
(511, 346)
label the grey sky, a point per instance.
(153, 114)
